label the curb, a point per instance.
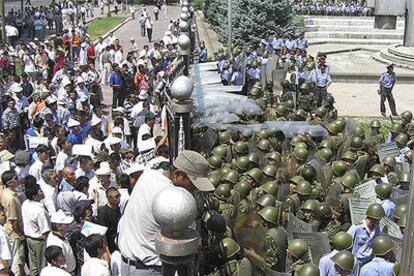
(126, 20)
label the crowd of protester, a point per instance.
(333, 8)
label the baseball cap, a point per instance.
(85, 203)
(195, 166)
(61, 217)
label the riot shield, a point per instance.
(387, 149)
(296, 225)
(271, 65)
(358, 207)
(268, 272)
(399, 196)
(398, 247)
(366, 190)
(282, 192)
(318, 244)
(389, 227)
(207, 141)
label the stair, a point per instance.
(399, 56)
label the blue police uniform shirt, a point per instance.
(220, 65)
(323, 79)
(226, 75)
(389, 207)
(277, 43)
(203, 55)
(387, 80)
(251, 72)
(362, 237)
(377, 267)
(237, 78)
(302, 43)
(326, 265)
(290, 44)
(64, 186)
(310, 76)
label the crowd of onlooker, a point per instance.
(337, 8)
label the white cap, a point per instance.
(65, 82)
(104, 169)
(73, 123)
(114, 140)
(132, 39)
(95, 121)
(119, 109)
(117, 130)
(51, 99)
(61, 217)
(135, 167)
(143, 95)
(147, 145)
(16, 87)
(157, 55)
(80, 80)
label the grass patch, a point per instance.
(103, 24)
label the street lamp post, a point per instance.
(229, 23)
(3, 21)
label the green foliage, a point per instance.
(103, 25)
(251, 18)
(197, 4)
(299, 21)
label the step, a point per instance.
(350, 29)
(317, 41)
(312, 22)
(356, 35)
(379, 58)
(396, 59)
(402, 51)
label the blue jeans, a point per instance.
(129, 270)
(142, 30)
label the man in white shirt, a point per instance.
(36, 224)
(99, 184)
(56, 260)
(95, 266)
(145, 130)
(60, 225)
(85, 167)
(62, 159)
(137, 226)
(48, 184)
(5, 247)
(42, 158)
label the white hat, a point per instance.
(65, 82)
(147, 145)
(114, 140)
(61, 217)
(80, 80)
(143, 95)
(6, 155)
(142, 54)
(46, 41)
(117, 130)
(142, 62)
(95, 121)
(132, 39)
(157, 55)
(84, 44)
(135, 167)
(119, 109)
(16, 87)
(51, 99)
(104, 169)
(73, 123)
(168, 33)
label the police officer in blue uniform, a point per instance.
(386, 84)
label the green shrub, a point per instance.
(198, 5)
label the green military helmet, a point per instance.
(301, 145)
(298, 248)
(269, 214)
(304, 86)
(274, 155)
(321, 111)
(409, 155)
(291, 66)
(396, 127)
(296, 179)
(308, 172)
(243, 188)
(232, 176)
(266, 200)
(242, 163)
(332, 128)
(220, 151)
(226, 66)
(270, 187)
(323, 211)
(301, 154)
(223, 191)
(195, 129)
(389, 160)
(304, 188)
(214, 162)
(300, 113)
(349, 180)
(356, 143)
(247, 133)
(326, 154)
(381, 245)
(228, 248)
(285, 83)
(400, 210)
(253, 158)
(378, 169)
(241, 147)
(270, 171)
(308, 269)
(339, 167)
(255, 91)
(263, 134)
(340, 124)
(402, 221)
(264, 145)
(256, 174)
(401, 138)
(290, 105)
(376, 211)
(224, 170)
(281, 110)
(348, 155)
(310, 66)
(342, 240)
(214, 179)
(224, 137)
(375, 124)
(309, 205)
(295, 140)
(404, 177)
(407, 116)
(235, 52)
(327, 143)
(344, 259)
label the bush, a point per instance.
(198, 5)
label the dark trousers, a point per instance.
(320, 94)
(149, 33)
(386, 94)
(118, 97)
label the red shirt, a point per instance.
(90, 52)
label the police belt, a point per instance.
(322, 87)
(140, 265)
